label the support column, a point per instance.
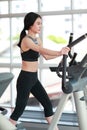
(59, 111)
(81, 110)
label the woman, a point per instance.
(31, 48)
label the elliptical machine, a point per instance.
(76, 73)
(5, 124)
(5, 79)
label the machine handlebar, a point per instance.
(64, 61)
(77, 40)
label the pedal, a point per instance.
(20, 126)
(83, 98)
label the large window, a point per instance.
(59, 20)
(55, 5)
(3, 7)
(23, 6)
(4, 40)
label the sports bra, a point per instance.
(30, 55)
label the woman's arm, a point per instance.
(49, 57)
(46, 53)
(29, 44)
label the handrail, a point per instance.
(77, 40)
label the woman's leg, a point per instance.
(39, 92)
(13, 121)
(21, 101)
(24, 85)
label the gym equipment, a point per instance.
(5, 79)
(5, 124)
(77, 81)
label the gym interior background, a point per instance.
(60, 18)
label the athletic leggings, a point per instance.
(27, 83)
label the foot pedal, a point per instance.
(20, 126)
(83, 98)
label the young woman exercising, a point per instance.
(28, 82)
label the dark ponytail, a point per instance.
(22, 35)
(28, 22)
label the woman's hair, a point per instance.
(29, 20)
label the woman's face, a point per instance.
(36, 27)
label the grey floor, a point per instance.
(37, 126)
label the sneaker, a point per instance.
(20, 127)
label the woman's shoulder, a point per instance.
(39, 40)
(26, 40)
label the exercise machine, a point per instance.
(5, 79)
(76, 75)
(5, 124)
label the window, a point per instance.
(56, 26)
(23, 6)
(55, 5)
(18, 22)
(4, 7)
(81, 4)
(4, 40)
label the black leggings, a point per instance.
(28, 82)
